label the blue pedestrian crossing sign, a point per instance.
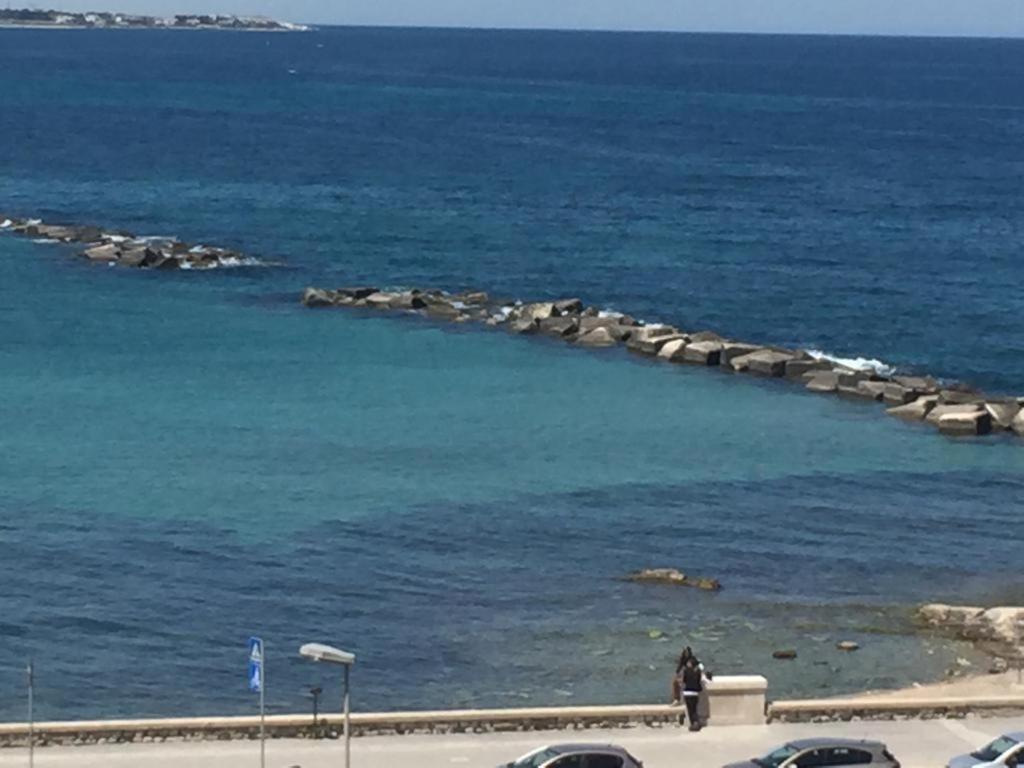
(255, 664)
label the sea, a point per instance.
(189, 459)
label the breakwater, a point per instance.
(124, 249)
(954, 409)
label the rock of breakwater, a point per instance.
(953, 410)
(673, 577)
(127, 250)
(1001, 629)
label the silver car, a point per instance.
(1005, 752)
(577, 756)
(817, 753)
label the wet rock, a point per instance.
(924, 385)
(380, 300)
(673, 577)
(568, 307)
(897, 394)
(796, 369)
(943, 409)
(650, 339)
(473, 298)
(408, 300)
(960, 397)
(598, 337)
(702, 336)
(536, 312)
(786, 654)
(1017, 425)
(673, 350)
(765, 362)
(871, 390)
(523, 326)
(133, 256)
(357, 294)
(823, 382)
(703, 352)
(1003, 413)
(965, 424)
(614, 326)
(559, 326)
(733, 349)
(998, 666)
(917, 410)
(105, 253)
(440, 310)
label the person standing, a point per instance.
(693, 685)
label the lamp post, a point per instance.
(30, 677)
(330, 655)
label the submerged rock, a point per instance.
(786, 654)
(674, 577)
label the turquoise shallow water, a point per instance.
(186, 459)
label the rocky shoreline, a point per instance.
(956, 410)
(124, 249)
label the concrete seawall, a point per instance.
(731, 701)
(737, 700)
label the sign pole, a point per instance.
(31, 715)
(348, 724)
(263, 711)
(257, 684)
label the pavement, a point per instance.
(916, 743)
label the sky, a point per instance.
(1001, 18)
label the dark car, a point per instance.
(576, 756)
(818, 753)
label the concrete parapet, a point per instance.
(889, 708)
(731, 701)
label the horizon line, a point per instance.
(645, 31)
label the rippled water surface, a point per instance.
(187, 459)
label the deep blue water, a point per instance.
(187, 459)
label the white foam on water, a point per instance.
(115, 238)
(855, 363)
(33, 222)
(6, 224)
(44, 240)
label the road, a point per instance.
(917, 743)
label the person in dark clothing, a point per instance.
(693, 684)
(677, 679)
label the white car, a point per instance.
(1005, 752)
(576, 756)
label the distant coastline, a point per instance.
(25, 18)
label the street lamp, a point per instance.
(330, 655)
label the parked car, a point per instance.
(818, 753)
(576, 756)
(1005, 751)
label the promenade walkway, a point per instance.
(917, 743)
